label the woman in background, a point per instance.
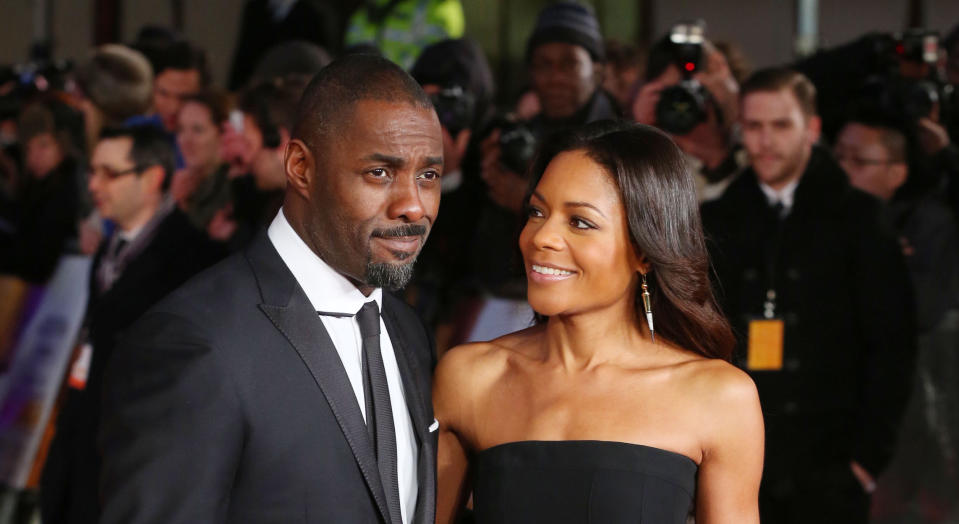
(606, 410)
(202, 187)
(39, 225)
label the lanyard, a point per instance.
(772, 250)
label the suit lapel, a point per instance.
(290, 310)
(416, 404)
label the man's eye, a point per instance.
(430, 175)
(378, 172)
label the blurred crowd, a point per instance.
(135, 157)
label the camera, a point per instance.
(455, 108)
(903, 98)
(517, 144)
(900, 99)
(20, 82)
(683, 106)
(917, 45)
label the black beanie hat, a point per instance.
(571, 23)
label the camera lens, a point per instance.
(681, 107)
(517, 147)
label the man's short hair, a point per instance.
(297, 57)
(329, 100)
(893, 138)
(272, 105)
(182, 56)
(776, 79)
(118, 80)
(150, 146)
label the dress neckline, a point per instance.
(611, 443)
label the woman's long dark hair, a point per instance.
(664, 225)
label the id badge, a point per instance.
(81, 368)
(765, 349)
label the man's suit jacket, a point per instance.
(177, 252)
(228, 403)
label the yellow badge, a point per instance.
(765, 345)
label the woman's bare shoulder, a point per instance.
(478, 364)
(725, 400)
(719, 384)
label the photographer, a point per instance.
(691, 93)
(457, 77)
(902, 81)
(253, 143)
(565, 59)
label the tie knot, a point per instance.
(369, 319)
(778, 209)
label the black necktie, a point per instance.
(121, 243)
(379, 411)
(778, 209)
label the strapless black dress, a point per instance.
(582, 482)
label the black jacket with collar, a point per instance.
(845, 297)
(227, 402)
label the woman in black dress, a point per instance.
(605, 410)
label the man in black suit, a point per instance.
(269, 389)
(154, 249)
(817, 288)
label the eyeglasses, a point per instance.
(111, 174)
(860, 162)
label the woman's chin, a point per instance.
(546, 307)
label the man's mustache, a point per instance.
(407, 230)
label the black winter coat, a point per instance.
(845, 297)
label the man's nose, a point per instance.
(406, 203)
(765, 137)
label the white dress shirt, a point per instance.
(331, 292)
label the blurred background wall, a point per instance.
(764, 29)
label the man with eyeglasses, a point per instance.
(874, 153)
(154, 249)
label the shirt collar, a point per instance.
(328, 290)
(786, 195)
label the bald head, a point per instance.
(331, 97)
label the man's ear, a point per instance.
(153, 176)
(299, 163)
(814, 126)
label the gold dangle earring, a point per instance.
(647, 305)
